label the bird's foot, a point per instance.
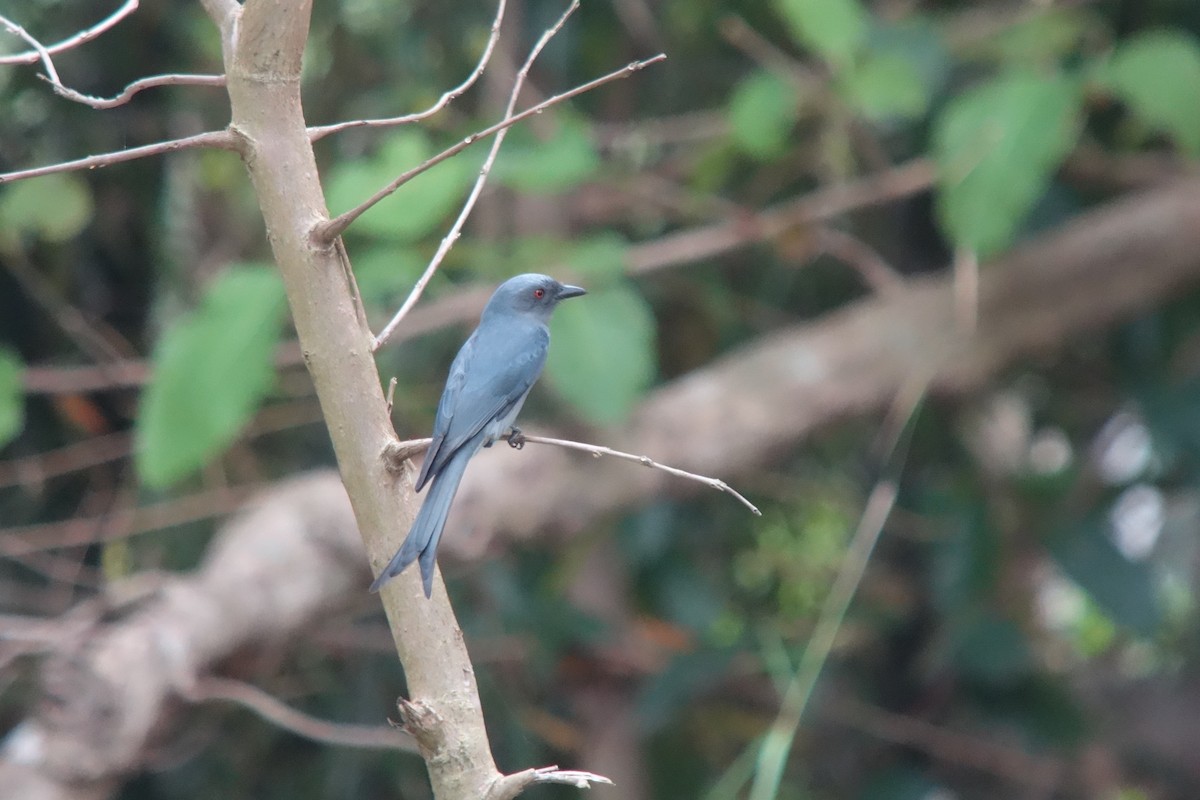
(516, 439)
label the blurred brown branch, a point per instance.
(277, 712)
(1109, 264)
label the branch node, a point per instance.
(423, 723)
(396, 454)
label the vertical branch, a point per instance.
(263, 60)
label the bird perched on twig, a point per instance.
(488, 382)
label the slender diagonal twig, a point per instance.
(277, 712)
(456, 229)
(82, 37)
(776, 744)
(329, 230)
(319, 132)
(396, 452)
(140, 85)
(598, 451)
(218, 140)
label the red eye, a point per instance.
(539, 293)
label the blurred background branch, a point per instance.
(806, 207)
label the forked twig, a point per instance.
(63, 90)
(84, 36)
(319, 132)
(331, 229)
(456, 229)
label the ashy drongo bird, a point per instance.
(488, 382)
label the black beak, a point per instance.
(570, 291)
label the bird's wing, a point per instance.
(489, 376)
(437, 454)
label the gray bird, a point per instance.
(488, 382)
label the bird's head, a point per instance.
(531, 294)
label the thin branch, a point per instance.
(321, 131)
(598, 451)
(955, 747)
(275, 711)
(762, 50)
(777, 742)
(396, 452)
(509, 786)
(83, 37)
(64, 460)
(122, 522)
(63, 90)
(220, 140)
(326, 232)
(97, 340)
(821, 204)
(154, 81)
(874, 271)
(456, 229)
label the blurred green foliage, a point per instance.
(1007, 599)
(211, 370)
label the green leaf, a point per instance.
(602, 352)
(762, 112)
(1045, 37)
(834, 28)
(212, 369)
(1125, 590)
(55, 208)
(1157, 75)
(386, 273)
(997, 148)
(886, 86)
(600, 259)
(562, 162)
(417, 207)
(12, 396)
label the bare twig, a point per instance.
(762, 50)
(955, 747)
(456, 229)
(900, 181)
(274, 710)
(20, 540)
(63, 90)
(321, 131)
(83, 37)
(220, 140)
(396, 452)
(96, 339)
(154, 81)
(509, 786)
(328, 231)
(598, 451)
(777, 742)
(864, 259)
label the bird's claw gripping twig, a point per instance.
(516, 439)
